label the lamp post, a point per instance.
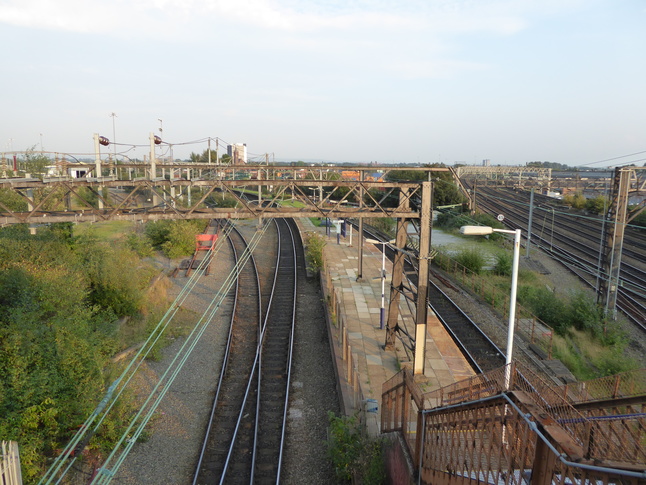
(383, 277)
(484, 231)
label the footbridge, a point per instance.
(509, 426)
(190, 191)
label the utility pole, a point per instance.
(424, 263)
(153, 161)
(114, 136)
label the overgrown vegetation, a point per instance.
(472, 259)
(356, 458)
(445, 192)
(595, 205)
(585, 340)
(314, 244)
(175, 238)
(60, 299)
(70, 298)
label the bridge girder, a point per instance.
(43, 209)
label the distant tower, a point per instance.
(237, 152)
(486, 162)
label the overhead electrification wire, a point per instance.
(139, 421)
(614, 158)
(93, 422)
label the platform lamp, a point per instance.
(484, 231)
(383, 277)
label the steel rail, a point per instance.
(225, 362)
(632, 307)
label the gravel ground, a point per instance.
(175, 435)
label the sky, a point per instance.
(390, 81)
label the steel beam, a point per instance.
(397, 277)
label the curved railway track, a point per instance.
(246, 433)
(575, 240)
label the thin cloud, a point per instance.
(159, 17)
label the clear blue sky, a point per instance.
(341, 80)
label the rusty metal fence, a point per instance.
(627, 384)
(508, 426)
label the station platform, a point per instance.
(357, 340)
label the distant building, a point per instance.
(486, 162)
(238, 153)
(350, 175)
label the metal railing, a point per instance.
(509, 426)
(625, 385)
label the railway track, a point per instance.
(576, 242)
(242, 342)
(246, 432)
(477, 347)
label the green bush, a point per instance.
(180, 239)
(386, 225)
(504, 264)
(354, 456)
(576, 201)
(546, 306)
(596, 205)
(585, 314)
(472, 259)
(176, 238)
(314, 243)
(140, 245)
(452, 220)
(114, 275)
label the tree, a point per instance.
(35, 163)
(445, 192)
(596, 205)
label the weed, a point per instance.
(354, 456)
(314, 243)
(471, 259)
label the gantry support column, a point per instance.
(422, 283)
(614, 240)
(360, 235)
(397, 277)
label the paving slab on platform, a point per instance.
(361, 302)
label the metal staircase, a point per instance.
(508, 426)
